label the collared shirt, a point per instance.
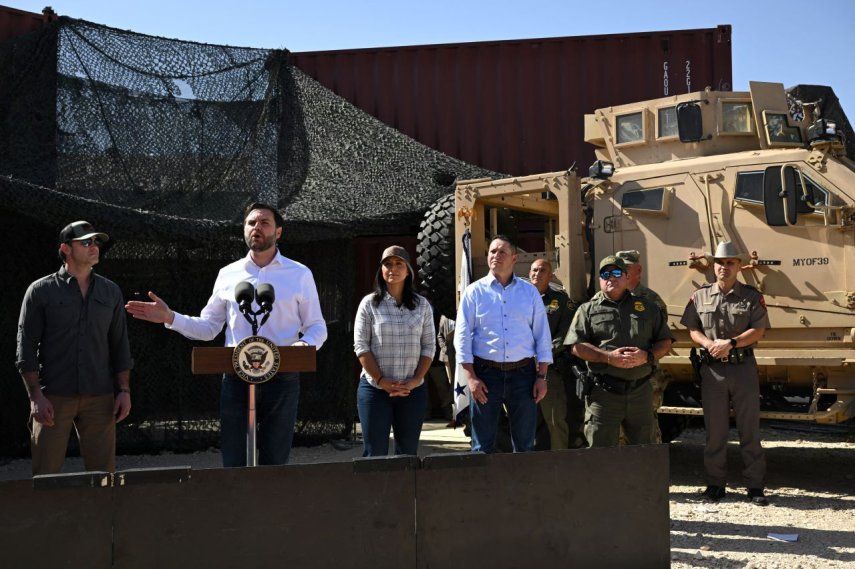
(296, 310)
(396, 336)
(502, 323)
(724, 316)
(607, 324)
(76, 344)
(559, 314)
(650, 294)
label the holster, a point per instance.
(584, 381)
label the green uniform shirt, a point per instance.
(642, 291)
(630, 322)
(559, 313)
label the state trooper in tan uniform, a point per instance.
(620, 337)
(632, 258)
(726, 319)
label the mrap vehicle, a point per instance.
(674, 177)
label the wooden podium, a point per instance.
(209, 360)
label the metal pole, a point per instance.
(251, 458)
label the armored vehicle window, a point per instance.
(816, 196)
(736, 118)
(667, 122)
(749, 187)
(630, 128)
(648, 200)
(779, 131)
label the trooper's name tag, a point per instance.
(255, 359)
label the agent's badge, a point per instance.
(639, 306)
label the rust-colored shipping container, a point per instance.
(14, 22)
(518, 106)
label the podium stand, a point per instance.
(208, 360)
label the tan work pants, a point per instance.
(92, 417)
(554, 409)
(721, 384)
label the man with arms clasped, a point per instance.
(295, 320)
(504, 347)
(726, 319)
(634, 269)
(74, 356)
(620, 337)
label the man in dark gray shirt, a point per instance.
(74, 356)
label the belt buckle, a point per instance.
(724, 360)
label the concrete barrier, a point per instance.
(576, 508)
(593, 507)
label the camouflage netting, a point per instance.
(162, 143)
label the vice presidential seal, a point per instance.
(255, 359)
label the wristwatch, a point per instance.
(541, 376)
(733, 342)
(651, 359)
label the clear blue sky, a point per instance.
(785, 41)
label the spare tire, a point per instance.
(436, 264)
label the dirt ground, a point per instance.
(811, 486)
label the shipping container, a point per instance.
(14, 22)
(518, 106)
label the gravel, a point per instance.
(811, 487)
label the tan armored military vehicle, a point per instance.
(675, 176)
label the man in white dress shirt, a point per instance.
(295, 320)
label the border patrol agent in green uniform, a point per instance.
(632, 258)
(560, 419)
(620, 337)
(726, 319)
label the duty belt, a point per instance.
(505, 366)
(617, 385)
(735, 356)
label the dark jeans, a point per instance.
(275, 412)
(514, 388)
(378, 413)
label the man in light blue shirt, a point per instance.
(504, 345)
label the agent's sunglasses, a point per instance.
(607, 274)
(91, 241)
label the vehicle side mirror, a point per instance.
(689, 123)
(779, 196)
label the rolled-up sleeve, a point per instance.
(210, 321)
(540, 330)
(314, 327)
(363, 327)
(120, 349)
(464, 328)
(578, 331)
(31, 324)
(428, 340)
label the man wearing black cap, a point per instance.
(295, 319)
(74, 356)
(621, 337)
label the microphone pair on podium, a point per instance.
(264, 295)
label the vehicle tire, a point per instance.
(435, 261)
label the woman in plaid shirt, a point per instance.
(395, 342)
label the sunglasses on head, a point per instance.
(90, 241)
(605, 274)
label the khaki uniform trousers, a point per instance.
(92, 417)
(554, 409)
(722, 383)
(606, 413)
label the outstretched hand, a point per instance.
(157, 311)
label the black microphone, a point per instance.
(264, 296)
(244, 292)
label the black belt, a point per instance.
(505, 366)
(619, 386)
(735, 356)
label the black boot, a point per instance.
(756, 496)
(713, 494)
